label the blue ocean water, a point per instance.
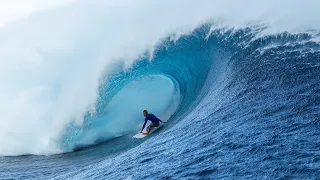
(241, 106)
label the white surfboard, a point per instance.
(141, 135)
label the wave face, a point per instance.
(240, 101)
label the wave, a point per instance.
(72, 79)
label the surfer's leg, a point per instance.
(150, 128)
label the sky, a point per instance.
(14, 9)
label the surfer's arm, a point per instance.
(156, 118)
(144, 125)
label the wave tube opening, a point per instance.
(159, 94)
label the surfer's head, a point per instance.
(145, 113)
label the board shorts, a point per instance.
(156, 124)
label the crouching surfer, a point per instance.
(155, 122)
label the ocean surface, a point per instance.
(241, 99)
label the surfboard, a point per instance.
(141, 135)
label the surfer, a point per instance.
(155, 121)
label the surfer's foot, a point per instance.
(145, 133)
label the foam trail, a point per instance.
(51, 62)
